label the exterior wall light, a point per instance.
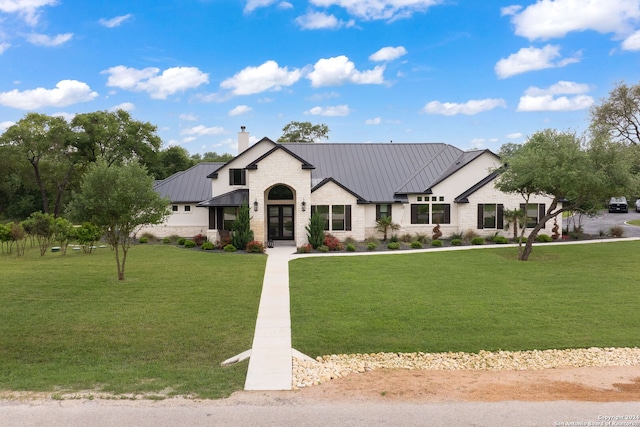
(304, 206)
(255, 205)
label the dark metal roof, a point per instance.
(233, 198)
(188, 186)
(383, 172)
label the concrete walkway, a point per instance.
(270, 362)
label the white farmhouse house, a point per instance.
(418, 185)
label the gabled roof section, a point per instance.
(264, 140)
(233, 198)
(327, 180)
(464, 197)
(381, 173)
(458, 163)
(189, 186)
(305, 164)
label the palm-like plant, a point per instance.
(384, 224)
(514, 217)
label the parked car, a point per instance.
(638, 205)
(619, 204)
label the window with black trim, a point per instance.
(237, 177)
(336, 216)
(230, 213)
(440, 213)
(383, 210)
(533, 213)
(420, 214)
(174, 208)
(490, 215)
(187, 208)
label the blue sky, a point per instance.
(471, 73)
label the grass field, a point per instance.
(565, 297)
(68, 324)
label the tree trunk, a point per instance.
(43, 192)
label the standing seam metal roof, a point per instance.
(188, 186)
(383, 172)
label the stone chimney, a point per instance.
(243, 139)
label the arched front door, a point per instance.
(280, 213)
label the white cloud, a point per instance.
(255, 4)
(331, 111)
(202, 130)
(115, 22)
(515, 135)
(27, 9)
(45, 40)
(188, 117)
(5, 125)
(630, 43)
(374, 121)
(66, 92)
(340, 70)
(4, 46)
(317, 21)
(268, 76)
(379, 9)
(545, 99)
(388, 53)
(126, 106)
(239, 110)
(470, 107)
(510, 10)
(172, 80)
(546, 19)
(530, 59)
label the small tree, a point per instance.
(43, 230)
(63, 232)
(384, 224)
(564, 168)
(315, 230)
(118, 199)
(515, 218)
(242, 232)
(87, 235)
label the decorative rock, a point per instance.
(325, 368)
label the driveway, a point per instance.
(606, 220)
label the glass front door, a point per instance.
(280, 222)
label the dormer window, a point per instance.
(237, 177)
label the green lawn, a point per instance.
(67, 324)
(565, 297)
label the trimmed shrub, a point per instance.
(522, 239)
(372, 246)
(323, 248)
(332, 242)
(181, 241)
(207, 246)
(166, 240)
(394, 238)
(189, 244)
(456, 242)
(393, 246)
(149, 236)
(351, 247)
(143, 240)
(230, 248)
(199, 239)
(500, 240)
(305, 249)
(543, 238)
(477, 241)
(436, 243)
(315, 230)
(255, 247)
(350, 241)
(416, 245)
(224, 242)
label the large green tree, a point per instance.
(304, 132)
(119, 199)
(619, 114)
(114, 137)
(46, 143)
(571, 172)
